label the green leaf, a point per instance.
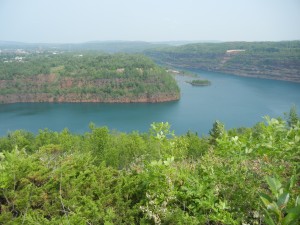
(283, 199)
(292, 182)
(2, 156)
(248, 150)
(292, 217)
(169, 161)
(274, 184)
(297, 203)
(156, 163)
(274, 208)
(268, 219)
(266, 199)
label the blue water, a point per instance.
(236, 101)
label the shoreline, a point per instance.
(242, 74)
(44, 98)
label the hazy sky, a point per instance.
(149, 20)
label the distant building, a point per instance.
(18, 59)
(234, 51)
(21, 51)
(173, 71)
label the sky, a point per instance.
(75, 21)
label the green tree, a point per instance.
(292, 116)
(216, 132)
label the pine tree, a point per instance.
(292, 117)
(216, 132)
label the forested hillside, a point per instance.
(83, 77)
(238, 176)
(271, 60)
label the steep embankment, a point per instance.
(73, 97)
(85, 78)
(271, 60)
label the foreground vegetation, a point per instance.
(237, 176)
(272, 60)
(88, 77)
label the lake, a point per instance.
(235, 101)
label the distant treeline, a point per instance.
(272, 60)
(95, 46)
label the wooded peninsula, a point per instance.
(84, 77)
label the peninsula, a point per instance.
(83, 77)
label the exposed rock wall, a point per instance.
(44, 97)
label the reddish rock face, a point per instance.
(72, 89)
(44, 97)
